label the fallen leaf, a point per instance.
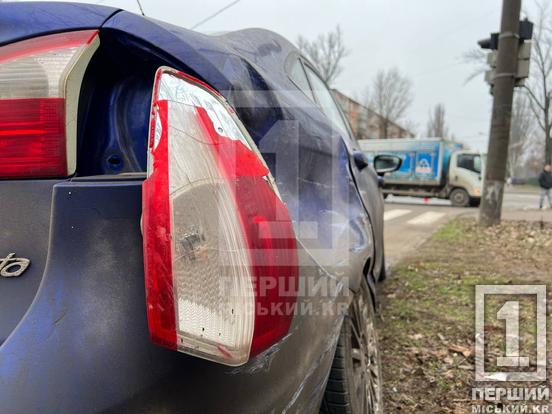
(467, 352)
(439, 354)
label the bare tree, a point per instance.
(539, 84)
(411, 127)
(522, 134)
(532, 163)
(326, 52)
(478, 58)
(436, 125)
(391, 96)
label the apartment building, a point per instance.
(365, 123)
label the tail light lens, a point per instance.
(220, 251)
(40, 82)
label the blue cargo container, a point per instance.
(432, 167)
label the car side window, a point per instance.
(470, 162)
(326, 100)
(299, 77)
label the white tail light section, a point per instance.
(40, 81)
(220, 251)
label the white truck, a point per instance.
(431, 167)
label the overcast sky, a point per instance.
(425, 39)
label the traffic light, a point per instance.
(524, 53)
(490, 42)
(525, 30)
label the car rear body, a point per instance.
(73, 330)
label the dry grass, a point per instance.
(427, 310)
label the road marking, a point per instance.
(393, 214)
(426, 218)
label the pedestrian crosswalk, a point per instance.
(392, 214)
(417, 218)
(427, 218)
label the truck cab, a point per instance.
(465, 178)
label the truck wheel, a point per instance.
(355, 381)
(459, 198)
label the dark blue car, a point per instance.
(187, 224)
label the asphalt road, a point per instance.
(410, 221)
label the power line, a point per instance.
(140, 6)
(215, 14)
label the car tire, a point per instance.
(459, 198)
(383, 272)
(355, 381)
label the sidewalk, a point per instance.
(523, 188)
(528, 215)
(531, 215)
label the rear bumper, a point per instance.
(84, 346)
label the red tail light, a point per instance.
(40, 81)
(220, 251)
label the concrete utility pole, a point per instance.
(503, 90)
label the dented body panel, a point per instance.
(83, 344)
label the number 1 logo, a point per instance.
(510, 314)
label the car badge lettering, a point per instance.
(11, 266)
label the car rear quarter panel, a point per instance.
(305, 153)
